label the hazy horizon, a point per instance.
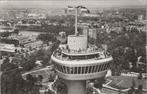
(65, 3)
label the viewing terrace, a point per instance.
(89, 53)
(92, 49)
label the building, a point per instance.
(78, 61)
(6, 29)
(85, 30)
(92, 33)
(36, 16)
(140, 17)
(136, 27)
(7, 48)
(89, 15)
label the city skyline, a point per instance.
(65, 3)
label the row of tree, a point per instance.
(125, 47)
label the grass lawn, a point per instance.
(122, 82)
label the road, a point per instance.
(42, 69)
(49, 84)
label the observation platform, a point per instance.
(90, 50)
(91, 53)
(81, 65)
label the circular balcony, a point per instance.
(81, 69)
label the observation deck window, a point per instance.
(68, 70)
(59, 67)
(86, 69)
(56, 67)
(64, 69)
(102, 68)
(99, 69)
(71, 70)
(83, 70)
(75, 71)
(90, 68)
(108, 65)
(95, 68)
(79, 70)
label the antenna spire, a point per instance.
(76, 20)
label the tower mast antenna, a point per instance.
(76, 20)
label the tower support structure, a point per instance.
(76, 86)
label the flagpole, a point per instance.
(76, 20)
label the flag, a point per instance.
(70, 8)
(84, 9)
(80, 9)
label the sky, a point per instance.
(65, 3)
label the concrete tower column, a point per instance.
(76, 87)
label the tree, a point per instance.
(5, 34)
(6, 66)
(30, 86)
(46, 37)
(16, 31)
(99, 82)
(130, 56)
(40, 78)
(10, 41)
(30, 64)
(131, 91)
(139, 90)
(11, 80)
(40, 54)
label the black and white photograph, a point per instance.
(73, 47)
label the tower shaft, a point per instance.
(76, 86)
